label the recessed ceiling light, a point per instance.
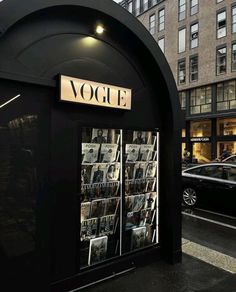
(99, 29)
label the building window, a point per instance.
(145, 5)
(200, 100)
(137, 7)
(234, 19)
(226, 127)
(226, 96)
(193, 68)
(182, 9)
(182, 40)
(161, 19)
(182, 99)
(200, 128)
(218, 1)
(130, 6)
(152, 23)
(221, 61)
(161, 43)
(181, 72)
(221, 24)
(233, 57)
(193, 7)
(194, 35)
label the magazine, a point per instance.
(98, 208)
(146, 152)
(132, 220)
(112, 205)
(129, 171)
(129, 202)
(97, 250)
(106, 226)
(108, 153)
(149, 234)
(113, 172)
(111, 189)
(142, 137)
(99, 136)
(145, 216)
(90, 152)
(132, 152)
(138, 203)
(139, 170)
(150, 199)
(86, 174)
(98, 174)
(140, 186)
(129, 187)
(84, 211)
(151, 169)
(150, 185)
(138, 237)
(88, 228)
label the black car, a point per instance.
(211, 186)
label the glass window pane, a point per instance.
(182, 40)
(161, 43)
(200, 128)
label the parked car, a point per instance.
(231, 158)
(211, 186)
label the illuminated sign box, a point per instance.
(93, 93)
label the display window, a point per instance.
(226, 127)
(230, 147)
(201, 152)
(200, 128)
(118, 196)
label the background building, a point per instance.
(198, 39)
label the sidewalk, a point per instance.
(190, 276)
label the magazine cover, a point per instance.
(138, 237)
(89, 228)
(98, 208)
(129, 171)
(140, 186)
(146, 152)
(113, 172)
(84, 211)
(112, 189)
(108, 153)
(139, 170)
(151, 169)
(149, 234)
(106, 226)
(132, 220)
(142, 137)
(138, 203)
(145, 216)
(86, 174)
(129, 187)
(150, 185)
(132, 152)
(112, 205)
(99, 136)
(129, 202)
(97, 250)
(98, 174)
(90, 152)
(150, 199)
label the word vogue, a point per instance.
(92, 93)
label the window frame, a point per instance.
(193, 6)
(160, 39)
(232, 57)
(223, 10)
(217, 65)
(185, 39)
(232, 16)
(152, 29)
(206, 101)
(181, 61)
(159, 19)
(190, 66)
(179, 8)
(191, 33)
(223, 98)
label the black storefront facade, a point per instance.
(62, 226)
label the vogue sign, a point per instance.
(93, 93)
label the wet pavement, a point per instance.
(208, 263)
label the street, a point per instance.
(210, 237)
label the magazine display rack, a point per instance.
(118, 198)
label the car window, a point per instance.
(212, 171)
(231, 159)
(194, 170)
(230, 173)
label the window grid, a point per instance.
(233, 58)
(181, 72)
(234, 19)
(161, 19)
(221, 57)
(152, 23)
(193, 7)
(226, 95)
(221, 24)
(193, 68)
(182, 9)
(201, 100)
(194, 35)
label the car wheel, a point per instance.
(189, 197)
